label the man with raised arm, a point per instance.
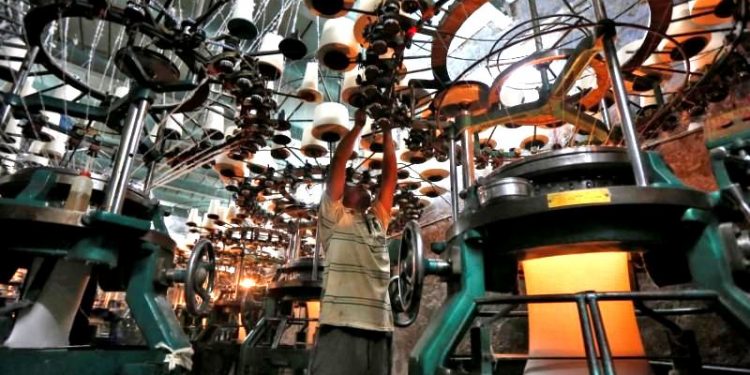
(354, 337)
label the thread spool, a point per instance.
(222, 213)
(338, 47)
(720, 11)
(329, 8)
(432, 191)
(279, 152)
(230, 215)
(261, 161)
(271, 66)
(643, 79)
(292, 47)
(330, 121)
(311, 146)
(241, 24)
(364, 19)
(229, 167)
(193, 218)
(691, 44)
(308, 91)
(214, 210)
(230, 184)
(648, 99)
(412, 157)
(213, 126)
(282, 137)
(173, 127)
(207, 224)
(433, 170)
(708, 56)
(351, 92)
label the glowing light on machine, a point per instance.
(247, 283)
(313, 313)
(555, 329)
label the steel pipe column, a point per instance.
(463, 123)
(621, 96)
(453, 177)
(605, 114)
(18, 84)
(131, 136)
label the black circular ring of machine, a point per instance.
(460, 11)
(294, 281)
(47, 11)
(629, 217)
(63, 229)
(136, 205)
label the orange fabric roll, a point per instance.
(555, 329)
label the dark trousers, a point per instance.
(351, 351)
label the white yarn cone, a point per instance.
(279, 152)
(194, 218)
(261, 161)
(213, 126)
(328, 8)
(433, 170)
(695, 43)
(271, 66)
(308, 91)
(282, 137)
(350, 89)
(214, 209)
(705, 6)
(311, 146)
(338, 47)
(240, 23)
(330, 121)
(362, 20)
(229, 167)
(173, 127)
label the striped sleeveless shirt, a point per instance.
(357, 267)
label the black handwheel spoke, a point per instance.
(201, 273)
(406, 295)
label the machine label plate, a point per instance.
(576, 197)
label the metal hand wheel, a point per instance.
(200, 277)
(405, 288)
